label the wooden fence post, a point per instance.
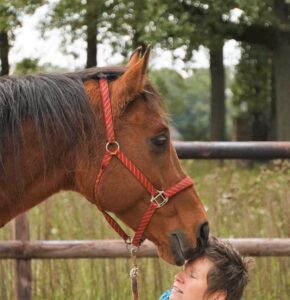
(23, 276)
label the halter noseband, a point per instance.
(158, 198)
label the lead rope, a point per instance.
(134, 274)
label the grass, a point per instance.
(241, 202)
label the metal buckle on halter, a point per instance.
(163, 200)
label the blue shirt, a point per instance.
(165, 295)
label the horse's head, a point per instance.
(179, 228)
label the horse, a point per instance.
(53, 138)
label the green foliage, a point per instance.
(174, 24)
(27, 66)
(187, 101)
(240, 203)
(259, 12)
(32, 66)
(188, 23)
(252, 85)
(74, 17)
(11, 12)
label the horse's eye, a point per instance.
(160, 140)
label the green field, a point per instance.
(240, 201)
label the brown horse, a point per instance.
(53, 138)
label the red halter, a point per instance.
(158, 198)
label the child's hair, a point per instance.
(230, 272)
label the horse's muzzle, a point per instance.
(182, 248)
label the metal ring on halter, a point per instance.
(114, 144)
(163, 198)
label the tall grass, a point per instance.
(240, 202)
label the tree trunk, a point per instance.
(91, 22)
(137, 42)
(91, 46)
(281, 61)
(4, 51)
(217, 103)
(273, 113)
(282, 78)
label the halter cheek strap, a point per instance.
(158, 198)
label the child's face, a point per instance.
(191, 283)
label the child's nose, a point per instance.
(180, 277)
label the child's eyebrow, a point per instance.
(188, 266)
(192, 268)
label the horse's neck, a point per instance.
(34, 176)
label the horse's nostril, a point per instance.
(203, 232)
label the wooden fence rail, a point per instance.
(232, 150)
(117, 248)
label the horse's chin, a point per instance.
(182, 252)
(165, 253)
(175, 255)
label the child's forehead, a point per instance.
(196, 263)
(197, 259)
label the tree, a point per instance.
(188, 24)
(187, 101)
(11, 13)
(32, 66)
(132, 25)
(89, 20)
(27, 66)
(252, 90)
(264, 23)
(171, 26)
(218, 98)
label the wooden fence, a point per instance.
(26, 250)
(23, 250)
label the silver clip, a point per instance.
(134, 272)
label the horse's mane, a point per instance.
(52, 102)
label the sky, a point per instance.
(29, 44)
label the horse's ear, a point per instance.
(131, 83)
(135, 57)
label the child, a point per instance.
(219, 274)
